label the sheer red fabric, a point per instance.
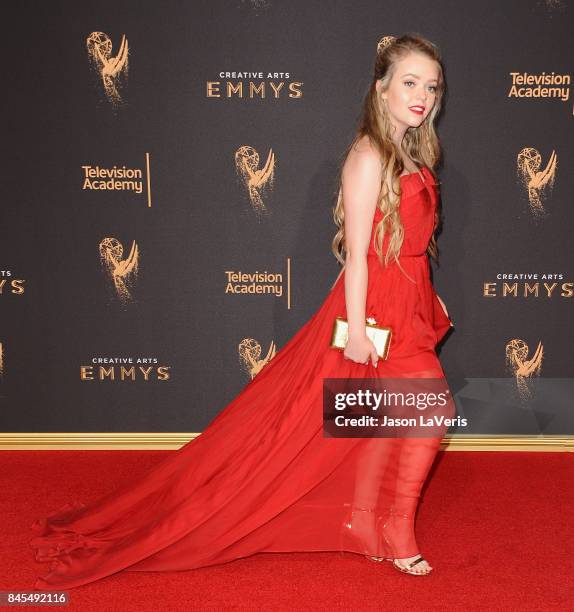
(261, 477)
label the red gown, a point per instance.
(261, 477)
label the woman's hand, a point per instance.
(360, 349)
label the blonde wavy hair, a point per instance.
(421, 144)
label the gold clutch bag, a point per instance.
(380, 336)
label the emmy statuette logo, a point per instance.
(536, 180)
(250, 356)
(122, 272)
(520, 366)
(110, 68)
(256, 180)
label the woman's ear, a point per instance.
(379, 88)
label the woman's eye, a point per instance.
(433, 87)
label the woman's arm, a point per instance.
(361, 184)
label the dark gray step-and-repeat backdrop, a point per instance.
(168, 175)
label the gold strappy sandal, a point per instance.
(405, 570)
(409, 567)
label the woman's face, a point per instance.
(411, 94)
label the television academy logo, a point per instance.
(544, 85)
(122, 272)
(257, 181)
(111, 69)
(238, 282)
(520, 366)
(535, 180)
(250, 356)
(118, 178)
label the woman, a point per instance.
(261, 477)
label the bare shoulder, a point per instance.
(364, 145)
(363, 161)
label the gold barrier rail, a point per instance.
(173, 441)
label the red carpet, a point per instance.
(497, 528)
